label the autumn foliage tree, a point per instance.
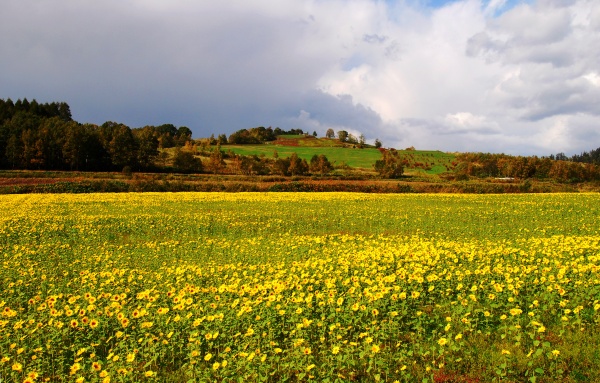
(216, 163)
(297, 165)
(520, 167)
(319, 164)
(390, 165)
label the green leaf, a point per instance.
(533, 379)
(539, 371)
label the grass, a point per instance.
(427, 161)
(356, 158)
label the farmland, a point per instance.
(293, 287)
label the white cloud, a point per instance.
(593, 78)
(466, 122)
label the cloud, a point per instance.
(520, 76)
(549, 58)
(467, 123)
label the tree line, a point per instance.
(591, 157)
(483, 165)
(45, 137)
(39, 136)
(258, 135)
(251, 165)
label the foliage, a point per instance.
(501, 165)
(216, 163)
(43, 136)
(36, 136)
(281, 132)
(147, 146)
(390, 166)
(362, 141)
(591, 157)
(185, 162)
(342, 135)
(320, 164)
(252, 136)
(297, 165)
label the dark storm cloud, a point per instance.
(125, 61)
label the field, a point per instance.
(324, 287)
(356, 158)
(428, 161)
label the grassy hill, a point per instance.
(356, 158)
(428, 161)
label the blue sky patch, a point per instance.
(441, 3)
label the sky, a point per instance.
(501, 76)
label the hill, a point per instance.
(43, 149)
(345, 154)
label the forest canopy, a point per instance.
(45, 137)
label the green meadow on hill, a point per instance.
(429, 161)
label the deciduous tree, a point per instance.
(297, 165)
(122, 147)
(320, 164)
(216, 164)
(147, 144)
(185, 162)
(390, 166)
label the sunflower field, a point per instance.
(299, 287)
